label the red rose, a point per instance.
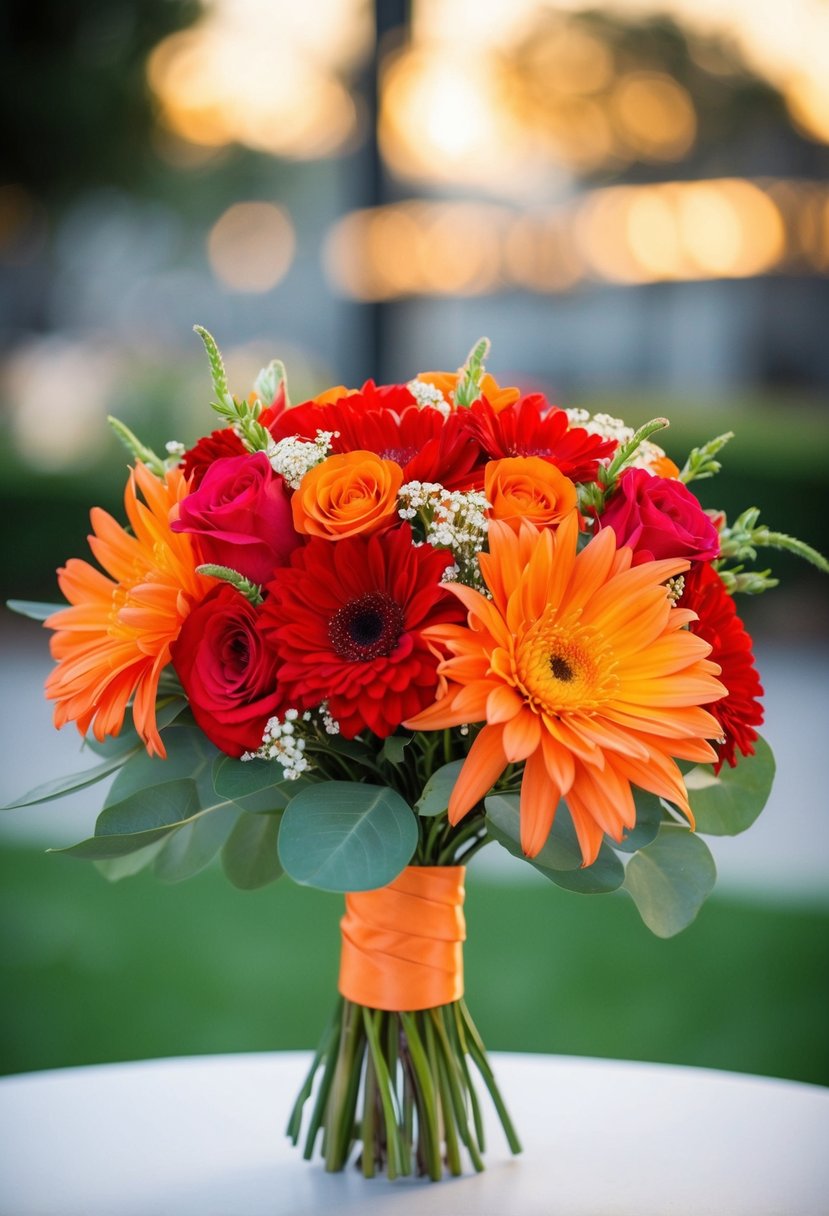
(241, 513)
(228, 670)
(658, 517)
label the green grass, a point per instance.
(94, 973)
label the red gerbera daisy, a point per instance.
(427, 445)
(347, 621)
(719, 625)
(306, 418)
(531, 428)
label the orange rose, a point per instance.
(332, 395)
(663, 466)
(446, 382)
(346, 495)
(527, 487)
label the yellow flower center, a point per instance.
(561, 666)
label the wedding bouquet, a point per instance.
(356, 639)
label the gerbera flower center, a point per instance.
(366, 628)
(561, 666)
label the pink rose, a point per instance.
(658, 517)
(241, 513)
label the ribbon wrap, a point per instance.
(402, 945)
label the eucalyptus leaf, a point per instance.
(167, 804)
(670, 879)
(394, 748)
(649, 815)
(346, 836)
(435, 797)
(249, 856)
(560, 859)
(258, 786)
(168, 809)
(728, 803)
(68, 785)
(116, 868)
(190, 754)
(604, 875)
(561, 849)
(34, 609)
(194, 845)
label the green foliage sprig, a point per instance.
(702, 461)
(251, 591)
(741, 540)
(241, 415)
(156, 464)
(470, 375)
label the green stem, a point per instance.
(329, 1036)
(452, 1078)
(384, 1086)
(368, 1133)
(456, 1033)
(478, 1053)
(471, 827)
(429, 1141)
(342, 1101)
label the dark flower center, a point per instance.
(366, 628)
(561, 669)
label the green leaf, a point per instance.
(435, 797)
(166, 805)
(67, 785)
(168, 809)
(189, 755)
(116, 868)
(194, 845)
(605, 874)
(649, 815)
(394, 748)
(727, 804)
(560, 859)
(345, 836)
(257, 786)
(670, 879)
(34, 609)
(249, 857)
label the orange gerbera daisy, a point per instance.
(114, 640)
(579, 666)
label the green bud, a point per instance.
(470, 375)
(251, 591)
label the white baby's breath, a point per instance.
(293, 457)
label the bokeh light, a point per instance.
(266, 75)
(251, 246)
(670, 231)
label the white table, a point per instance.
(204, 1136)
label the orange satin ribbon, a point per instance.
(402, 945)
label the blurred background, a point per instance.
(630, 198)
